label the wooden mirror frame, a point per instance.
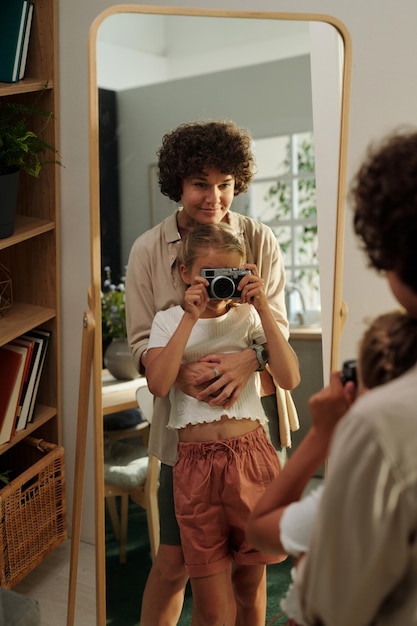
(338, 306)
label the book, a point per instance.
(24, 350)
(13, 16)
(33, 374)
(26, 39)
(24, 400)
(9, 367)
(13, 357)
(43, 338)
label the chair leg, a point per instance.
(114, 516)
(153, 529)
(123, 527)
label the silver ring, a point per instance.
(216, 372)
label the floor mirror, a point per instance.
(267, 71)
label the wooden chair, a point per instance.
(130, 472)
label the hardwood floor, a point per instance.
(48, 584)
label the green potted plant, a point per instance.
(113, 307)
(117, 356)
(20, 149)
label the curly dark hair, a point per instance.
(384, 200)
(192, 148)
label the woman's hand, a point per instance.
(331, 403)
(218, 378)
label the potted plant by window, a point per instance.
(20, 149)
(117, 356)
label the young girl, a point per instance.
(387, 350)
(203, 166)
(225, 459)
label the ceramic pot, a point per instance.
(8, 193)
(118, 360)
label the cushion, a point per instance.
(125, 463)
(123, 419)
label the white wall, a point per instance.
(114, 70)
(137, 50)
(384, 94)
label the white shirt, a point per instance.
(234, 331)
(296, 527)
(297, 521)
(361, 566)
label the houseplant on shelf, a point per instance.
(20, 149)
(117, 356)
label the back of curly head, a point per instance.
(384, 200)
(192, 148)
(388, 348)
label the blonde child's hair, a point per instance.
(203, 236)
(388, 348)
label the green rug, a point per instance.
(125, 583)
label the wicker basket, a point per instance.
(32, 508)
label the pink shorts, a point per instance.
(216, 485)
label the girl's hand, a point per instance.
(252, 288)
(196, 298)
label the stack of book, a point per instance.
(21, 365)
(15, 25)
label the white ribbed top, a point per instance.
(232, 332)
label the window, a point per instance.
(283, 195)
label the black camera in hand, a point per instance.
(349, 372)
(223, 282)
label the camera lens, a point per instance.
(222, 288)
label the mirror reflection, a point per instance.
(153, 73)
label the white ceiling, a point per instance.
(177, 36)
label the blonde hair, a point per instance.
(218, 236)
(388, 348)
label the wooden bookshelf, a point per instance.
(26, 228)
(32, 253)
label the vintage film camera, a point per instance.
(223, 282)
(349, 372)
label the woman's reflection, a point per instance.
(204, 165)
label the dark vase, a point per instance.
(118, 360)
(8, 193)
